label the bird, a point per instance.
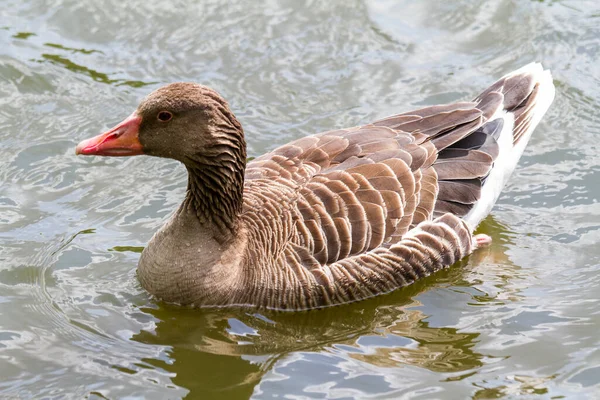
(330, 218)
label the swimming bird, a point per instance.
(327, 219)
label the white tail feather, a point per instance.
(510, 153)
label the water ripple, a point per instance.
(517, 319)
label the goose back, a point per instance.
(351, 213)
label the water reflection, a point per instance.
(71, 49)
(23, 35)
(518, 318)
(95, 75)
(227, 353)
(64, 61)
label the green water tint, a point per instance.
(133, 249)
(23, 35)
(95, 75)
(61, 47)
(516, 319)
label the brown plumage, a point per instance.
(331, 218)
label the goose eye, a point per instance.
(164, 116)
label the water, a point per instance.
(517, 319)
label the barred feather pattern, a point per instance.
(349, 214)
(346, 215)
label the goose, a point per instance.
(331, 218)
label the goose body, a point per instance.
(331, 218)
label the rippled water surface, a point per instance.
(519, 318)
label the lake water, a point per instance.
(520, 318)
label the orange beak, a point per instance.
(122, 140)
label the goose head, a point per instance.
(183, 121)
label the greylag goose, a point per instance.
(331, 218)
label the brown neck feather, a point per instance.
(216, 181)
